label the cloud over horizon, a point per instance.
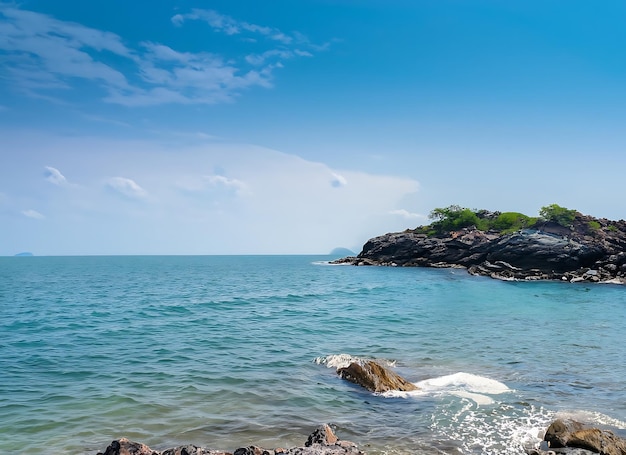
(261, 201)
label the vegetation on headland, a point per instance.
(559, 244)
(455, 217)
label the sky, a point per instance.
(294, 127)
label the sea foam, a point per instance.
(344, 360)
(463, 385)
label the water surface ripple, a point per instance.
(221, 351)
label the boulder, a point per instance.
(324, 435)
(124, 446)
(322, 441)
(374, 377)
(569, 433)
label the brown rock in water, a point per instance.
(375, 377)
(569, 433)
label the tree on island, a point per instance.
(558, 214)
(455, 217)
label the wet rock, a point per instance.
(374, 377)
(324, 435)
(322, 441)
(252, 450)
(571, 437)
(124, 446)
(192, 450)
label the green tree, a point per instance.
(558, 214)
(511, 222)
(452, 218)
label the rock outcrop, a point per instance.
(571, 437)
(374, 377)
(590, 249)
(322, 441)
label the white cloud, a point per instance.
(214, 198)
(54, 176)
(178, 20)
(44, 55)
(42, 52)
(406, 214)
(338, 180)
(237, 186)
(260, 59)
(30, 213)
(229, 25)
(127, 187)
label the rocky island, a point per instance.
(560, 244)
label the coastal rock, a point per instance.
(322, 441)
(193, 450)
(324, 435)
(569, 433)
(565, 436)
(591, 250)
(374, 377)
(124, 446)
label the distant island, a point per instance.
(24, 254)
(559, 244)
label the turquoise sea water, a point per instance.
(231, 351)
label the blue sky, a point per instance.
(247, 127)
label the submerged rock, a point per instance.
(322, 441)
(374, 377)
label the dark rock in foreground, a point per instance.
(322, 441)
(569, 437)
(591, 250)
(374, 377)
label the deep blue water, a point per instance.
(227, 351)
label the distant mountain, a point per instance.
(342, 252)
(25, 253)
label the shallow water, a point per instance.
(236, 350)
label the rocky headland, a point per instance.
(508, 246)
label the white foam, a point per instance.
(464, 382)
(475, 397)
(592, 417)
(336, 360)
(344, 360)
(463, 385)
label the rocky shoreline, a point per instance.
(589, 250)
(322, 441)
(563, 436)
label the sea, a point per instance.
(230, 351)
